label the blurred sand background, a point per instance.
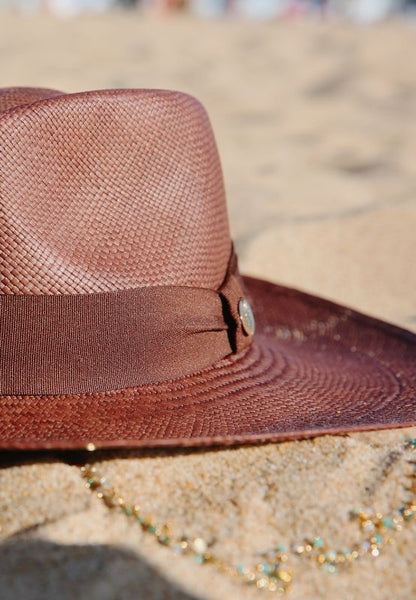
(316, 126)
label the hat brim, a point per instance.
(314, 368)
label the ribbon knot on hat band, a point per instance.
(66, 344)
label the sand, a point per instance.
(316, 126)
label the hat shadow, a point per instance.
(43, 570)
(37, 569)
(15, 458)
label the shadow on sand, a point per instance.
(42, 570)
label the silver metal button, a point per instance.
(246, 316)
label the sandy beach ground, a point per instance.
(316, 126)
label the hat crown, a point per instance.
(110, 190)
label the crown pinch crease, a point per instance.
(93, 342)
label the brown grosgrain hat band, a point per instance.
(123, 318)
(88, 343)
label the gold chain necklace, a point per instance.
(271, 573)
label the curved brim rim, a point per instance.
(315, 368)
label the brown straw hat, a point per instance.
(124, 320)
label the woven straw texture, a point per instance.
(11, 97)
(117, 189)
(108, 191)
(314, 368)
